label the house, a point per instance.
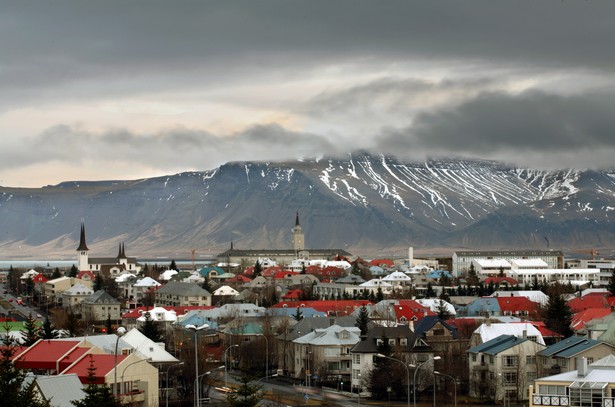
(563, 356)
(112, 266)
(406, 345)
(503, 368)
(325, 353)
(463, 259)
(589, 385)
(489, 331)
(59, 390)
(74, 296)
(580, 319)
(55, 287)
(181, 294)
(99, 307)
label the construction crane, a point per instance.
(193, 251)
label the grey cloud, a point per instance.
(497, 125)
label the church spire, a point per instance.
(297, 219)
(82, 246)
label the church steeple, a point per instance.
(82, 245)
(297, 220)
(298, 238)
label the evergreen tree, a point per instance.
(173, 266)
(12, 390)
(29, 286)
(442, 310)
(363, 321)
(258, 269)
(611, 286)
(96, 395)
(429, 292)
(98, 282)
(298, 315)
(472, 276)
(246, 395)
(558, 316)
(48, 331)
(303, 271)
(501, 273)
(207, 285)
(379, 295)
(31, 332)
(73, 271)
(73, 324)
(150, 329)
(109, 324)
(56, 273)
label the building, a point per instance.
(503, 368)
(281, 256)
(463, 259)
(563, 356)
(179, 294)
(99, 307)
(108, 265)
(590, 385)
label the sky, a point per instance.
(110, 89)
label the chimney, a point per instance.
(582, 367)
(524, 334)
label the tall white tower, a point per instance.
(410, 256)
(82, 258)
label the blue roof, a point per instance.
(428, 322)
(438, 273)
(569, 347)
(483, 305)
(498, 344)
(197, 320)
(204, 272)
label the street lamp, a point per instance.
(503, 387)
(203, 375)
(119, 332)
(134, 363)
(196, 329)
(380, 355)
(414, 377)
(359, 388)
(454, 382)
(167, 375)
(266, 357)
(225, 370)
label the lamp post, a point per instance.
(225, 370)
(503, 388)
(196, 329)
(452, 378)
(266, 357)
(119, 332)
(199, 378)
(359, 388)
(416, 371)
(380, 355)
(134, 363)
(167, 376)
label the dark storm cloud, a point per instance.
(501, 125)
(51, 43)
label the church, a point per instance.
(107, 265)
(281, 256)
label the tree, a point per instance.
(429, 292)
(73, 324)
(150, 329)
(95, 395)
(246, 395)
(379, 294)
(207, 285)
(29, 286)
(442, 310)
(501, 273)
(611, 286)
(47, 330)
(109, 324)
(173, 266)
(98, 282)
(56, 273)
(362, 321)
(558, 315)
(258, 269)
(12, 390)
(298, 315)
(472, 276)
(31, 332)
(73, 271)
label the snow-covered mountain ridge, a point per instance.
(361, 203)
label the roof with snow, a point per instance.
(167, 275)
(78, 289)
(226, 290)
(601, 371)
(147, 348)
(333, 335)
(397, 276)
(490, 331)
(434, 303)
(147, 282)
(528, 263)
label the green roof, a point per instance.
(497, 345)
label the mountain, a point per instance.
(367, 204)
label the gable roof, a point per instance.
(147, 348)
(427, 323)
(498, 344)
(370, 344)
(331, 335)
(491, 331)
(182, 289)
(60, 390)
(104, 364)
(569, 347)
(581, 318)
(100, 297)
(48, 354)
(516, 304)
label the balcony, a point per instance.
(480, 368)
(135, 396)
(550, 400)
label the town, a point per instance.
(300, 326)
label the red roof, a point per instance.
(599, 300)
(181, 310)
(293, 295)
(269, 272)
(407, 312)
(46, 354)
(313, 269)
(86, 275)
(103, 364)
(278, 275)
(381, 263)
(581, 318)
(501, 280)
(39, 278)
(239, 278)
(516, 304)
(544, 331)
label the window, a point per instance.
(590, 361)
(510, 361)
(474, 357)
(510, 378)
(356, 359)
(491, 359)
(438, 332)
(530, 360)
(356, 374)
(403, 341)
(392, 342)
(553, 390)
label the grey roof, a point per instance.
(101, 297)
(428, 322)
(282, 252)
(569, 347)
(307, 325)
(497, 345)
(369, 345)
(183, 289)
(60, 390)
